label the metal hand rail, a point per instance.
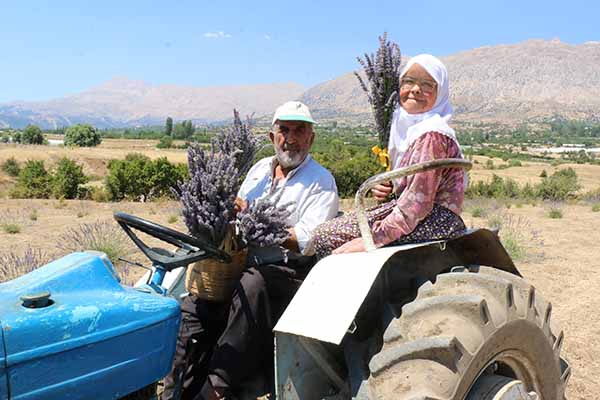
(359, 200)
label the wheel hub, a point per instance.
(494, 387)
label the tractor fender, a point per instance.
(326, 304)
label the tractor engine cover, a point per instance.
(72, 331)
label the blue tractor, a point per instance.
(454, 321)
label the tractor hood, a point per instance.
(92, 333)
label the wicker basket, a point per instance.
(214, 280)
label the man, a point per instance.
(221, 345)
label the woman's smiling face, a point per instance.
(418, 90)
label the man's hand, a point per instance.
(292, 242)
(382, 191)
(239, 205)
(353, 246)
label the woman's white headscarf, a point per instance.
(406, 128)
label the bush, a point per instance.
(99, 194)
(11, 228)
(478, 212)
(13, 265)
(33, 181)
(543, 174)
(517, 235)
(498, 188)
(165, 142)
(162, 177)
(67, 178)
(32, 135)
(596, 207)
(528, 192)
(561, 185)
(351, 172)
(139, 178)
(11, 167)
(82, 135)
(514, 163)
(104, 236)
(555, 213)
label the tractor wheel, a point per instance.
(467, 328)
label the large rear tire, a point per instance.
(467, 325)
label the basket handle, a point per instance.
(359, 199)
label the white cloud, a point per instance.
(217, 35)
(267, 37)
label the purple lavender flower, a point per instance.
(264, 223)
(208, 197)
(382, 85)
(239, 140)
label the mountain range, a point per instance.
(528, 81)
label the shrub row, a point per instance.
(34, 181)
(559, 186)
(139, 178)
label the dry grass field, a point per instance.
(560, 256)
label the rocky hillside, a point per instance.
(506, 83)
(532, 80)
(125, 102)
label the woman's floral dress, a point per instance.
(427, 207)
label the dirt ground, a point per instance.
(561, 259)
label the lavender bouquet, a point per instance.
(208, 197)
(381, 85)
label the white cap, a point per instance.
(293, 111)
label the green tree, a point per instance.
(189, 129)
(169, 126)
(139, 178)
(32, 135)
(66, 179)
(82, 135)
(33, 181)
(183, 130)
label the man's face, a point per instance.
(292, 141)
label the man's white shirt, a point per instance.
(309, 188)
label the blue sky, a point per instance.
(50, 49)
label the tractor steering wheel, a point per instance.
(196, 249)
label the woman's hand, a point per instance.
(353, 246)
(382, 191)
(239, 205)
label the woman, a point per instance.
(428, 204)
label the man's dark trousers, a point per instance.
(232, 341)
